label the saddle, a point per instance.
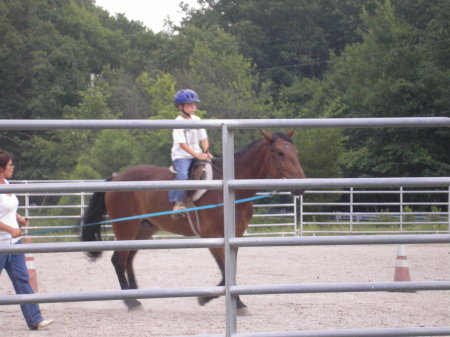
(199, 170)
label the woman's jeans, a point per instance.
(182, 167)
(18, 273)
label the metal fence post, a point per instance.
(448, 209)
(82, 200)
(27, 212)
(300, 206)
(27, 206)
(401, 209)
(296, 219)
(351, 210)
(229, 230)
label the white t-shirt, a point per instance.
(8, 212)
(191, 137)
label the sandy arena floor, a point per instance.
(73, 272)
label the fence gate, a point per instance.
(230, 242)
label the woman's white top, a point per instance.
(191, 137)
(8, 212)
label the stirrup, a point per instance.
(179, 206)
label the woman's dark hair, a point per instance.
(5, 157)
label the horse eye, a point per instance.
(281, 154)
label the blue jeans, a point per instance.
(18, 273)
(182, 168)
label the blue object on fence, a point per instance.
(149, 215)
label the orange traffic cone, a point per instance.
(401, 266)
(29, 260)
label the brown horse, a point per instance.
(274, 156)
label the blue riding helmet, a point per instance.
(186, 96)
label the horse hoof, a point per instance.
(134, 306)
(202, 300)
(138, 307)
(243, 312)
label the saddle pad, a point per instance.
(208, 176)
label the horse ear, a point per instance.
(267, 135)
(291, 133)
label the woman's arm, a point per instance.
(15, 232)
(22, 221)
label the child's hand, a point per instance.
(203, 156)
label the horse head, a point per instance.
(283, 158)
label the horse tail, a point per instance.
(90, 226)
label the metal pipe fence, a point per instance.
(55, 216)
(229, 242)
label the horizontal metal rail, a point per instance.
(339, 287)
(219, 242)
(109, 295)
(51, 124)
(338, 182)
(111, 245)
(34, 210)
(340, 240)
(233, 184)
(272, 224)
(388, 332)
(113, 186)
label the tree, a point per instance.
(225, 80)
(56, 153)
(113, 151)
(48, 52)
(285, 38)
(384, 76)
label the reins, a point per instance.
(195, 225)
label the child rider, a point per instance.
(187, 145)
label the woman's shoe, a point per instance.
(43, 324)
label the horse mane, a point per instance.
(247, 148)
(243, 150)
(282, 136)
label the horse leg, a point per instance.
(219, 256)
(123, 260)
(146, 230)
(120, 261)
(132, 284)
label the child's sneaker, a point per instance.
(178, 206)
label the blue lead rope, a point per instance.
(149, 215)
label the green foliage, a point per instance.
(59, 149)
(320, 152)
(157, 143)
(225, 81)
(160, 90)
(113, 151)
(382, 77)
(246, 59)
(286, 39)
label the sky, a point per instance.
(151, 13)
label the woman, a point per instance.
(10, 233)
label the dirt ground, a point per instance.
(73, 272)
